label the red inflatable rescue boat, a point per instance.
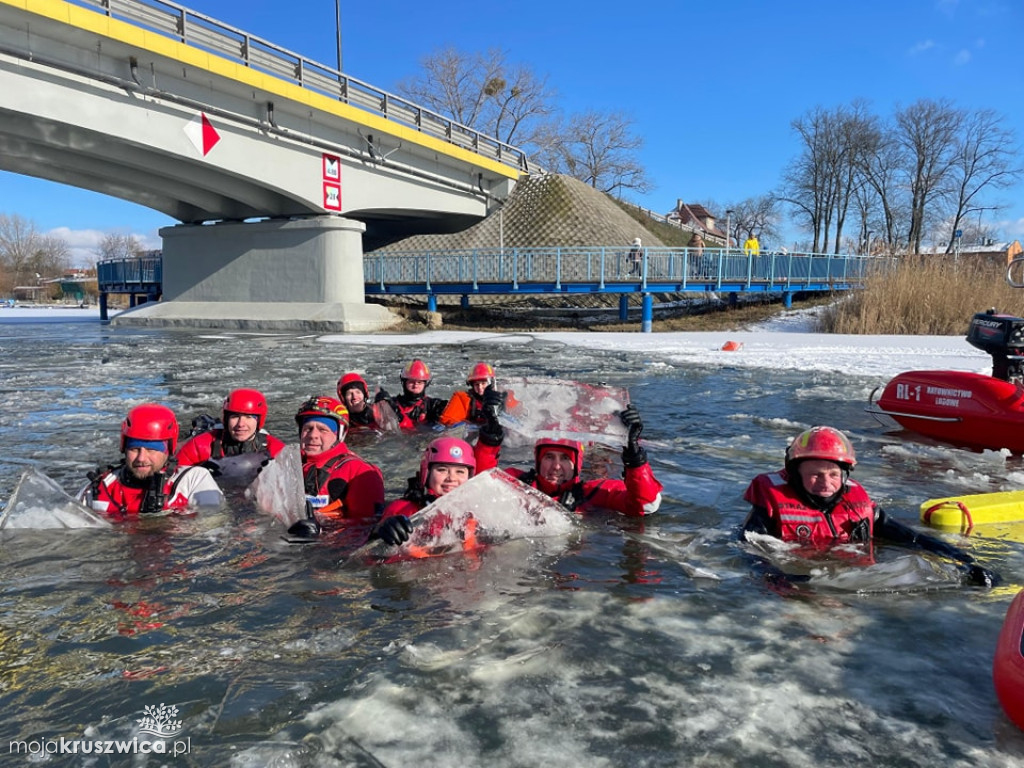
(1008, 668)
(970, 410)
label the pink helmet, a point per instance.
(150, 422)
(249, 402)
(417, 369)
(481, 372)
(447, 450)
(825, 443)
(350, 380)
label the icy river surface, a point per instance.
(653, 643)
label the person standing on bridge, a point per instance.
(414, 407)
(148, 481)
(697, 265)
(751, 247)
(635, 257)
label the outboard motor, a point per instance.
(1002, 336)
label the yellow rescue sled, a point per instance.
(993, 515)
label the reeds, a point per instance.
(930, 295)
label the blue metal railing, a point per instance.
(607, 269)
(563, 270)
(144, 274)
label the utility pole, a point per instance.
(728, 228)
(337, 26)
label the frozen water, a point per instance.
(558, 408)
(278, 489)
(488, 509)
(646, 642)
(39, 503)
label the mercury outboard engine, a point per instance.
(1002, 336)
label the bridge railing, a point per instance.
(127, 272)
(195, 29)
(603, 265)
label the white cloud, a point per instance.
(85, 243)
(1012, 229)
(962, 58)
(921, 47)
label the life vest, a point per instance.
(422, 410)
(851, 520)
(364, 418)
(315, 480)
(118, 497)
(570, 498)
(255, 444)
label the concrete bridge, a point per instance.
(278, 168)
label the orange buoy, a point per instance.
(732, 346)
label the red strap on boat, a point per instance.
(965, 512)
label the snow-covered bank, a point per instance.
(782, 343)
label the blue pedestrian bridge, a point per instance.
(559, 270)
(581, 269)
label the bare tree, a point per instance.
(928, 132)
(26, 253)
(755, 217)
(823, 182)
(119, 246)
(984, 160)
(884, 200)
(482, 91)
(599, 149)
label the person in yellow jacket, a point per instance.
(752, 247)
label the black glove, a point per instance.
(976, 576)
(382, 394)
(305, 529)
(393, 530)
(491, 431)
(494, 402)
(203, 423)
(213, 466)
(633, 455)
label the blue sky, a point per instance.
(711, 87)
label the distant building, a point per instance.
(696, 217)
(1000, 254)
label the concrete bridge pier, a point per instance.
(295, 274)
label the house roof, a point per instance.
(696, 215)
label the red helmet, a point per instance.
(447, 450)
(326, 407)
(417, 369)
(481, 372)
(575, 447)
(150, 422)
(249, 402)
(824, 443)
(352, 380)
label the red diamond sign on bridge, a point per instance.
(202, 134)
